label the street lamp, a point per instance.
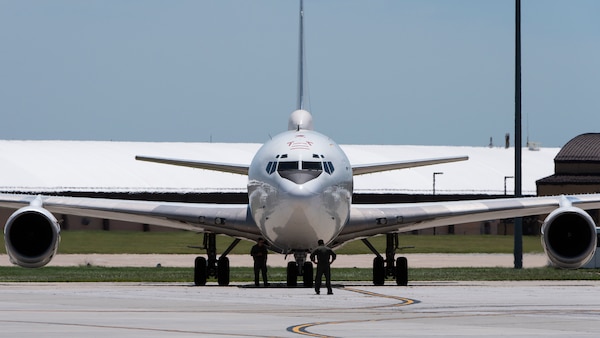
(505, 178)
(436, 173)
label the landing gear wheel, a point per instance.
(378, 271)
(307, 275)
(200, 271)
(292, 274)
(223, 271)
(402, 271)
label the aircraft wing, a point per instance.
(373, 219)
(229, 219)
(223, 167)
(370, 168)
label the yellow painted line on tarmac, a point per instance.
(302, 329)
(403, 300)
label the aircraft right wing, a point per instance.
(222, 167)
(35, 216)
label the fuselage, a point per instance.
(300, 190)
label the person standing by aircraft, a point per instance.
(259, 253)
(325, 256)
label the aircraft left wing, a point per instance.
(569, 234)
(35, 215)
(361, 169)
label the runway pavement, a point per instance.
(449, 309)
(343, 261)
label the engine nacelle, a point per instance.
(31, 235)
(569, 237)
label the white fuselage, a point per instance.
(300, 190)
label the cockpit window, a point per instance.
(306, 165)
(271, 166)
(300, 172)
(328, 167)
(287, 165)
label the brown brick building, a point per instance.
(576, 170)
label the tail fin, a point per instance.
(301, 119)
(302, 102)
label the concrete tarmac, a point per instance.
(428, 309)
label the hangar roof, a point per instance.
(585, 147)
(108, 166)
(577, 163)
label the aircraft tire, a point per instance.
(308, 275)
(378, 271)
(200, 271)
(223, 271)
(402, 271)
(292, 274)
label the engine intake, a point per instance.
(569, 237)
(31, 235)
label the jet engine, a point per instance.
(569, 237)
(31, 235)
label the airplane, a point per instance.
(300, 186)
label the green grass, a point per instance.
(116, 242)
(177, 242)
(185, 275)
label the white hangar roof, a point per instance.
(107, 166)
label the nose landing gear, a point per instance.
(300, 268)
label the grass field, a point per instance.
(178, 242)
(117, 242)
(185, 275)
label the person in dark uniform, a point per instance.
(324, 257)
(259, 253)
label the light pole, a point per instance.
(505, 178)
(436, 173)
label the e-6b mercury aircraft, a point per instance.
(299, 191)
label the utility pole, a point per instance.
(518, 236)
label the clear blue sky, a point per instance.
(380, 72)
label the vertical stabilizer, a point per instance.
(301, 119)
(302, 99)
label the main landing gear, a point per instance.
(300, 268)
(390, 266)
(214, 267)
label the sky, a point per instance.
(408, 72)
